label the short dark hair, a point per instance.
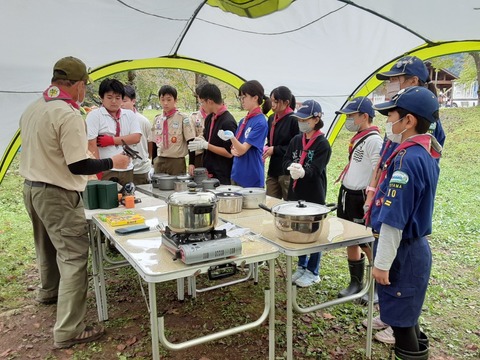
(319, 125)
(210, 92)
(422, 124)
(130, 92)
(113, 85)
(252, 88)
(168, 90)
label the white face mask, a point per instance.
(395, 138)
(304, 127)
(392, 89)
(351, 126)
(80, 102)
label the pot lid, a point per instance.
(300, 208)
(210, 181)
(184, 177)
(252, 190)
(228, 194)
(199, 171)
(229, 188)
(167, 177)
(192, 197)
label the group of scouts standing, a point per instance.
(388, 183)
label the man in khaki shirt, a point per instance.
(55, 166)
(171, 132)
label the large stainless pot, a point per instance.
(299, 221)
(192, 211)
(252, 197)
(229, 202)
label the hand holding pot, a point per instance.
(197, 144)
(225, 135)
(296, 171)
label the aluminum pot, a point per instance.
(155, 178)
(299, 221)
(184, 177)
(181, 185)
(166, 182)
(252, 197)
(229, 202)
(192, 211)
(210, 184)
(228, 188)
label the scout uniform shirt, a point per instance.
(180, 129)
(53, 137)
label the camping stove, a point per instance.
(194, 248)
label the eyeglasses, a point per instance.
(241, 97)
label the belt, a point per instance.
(38, 184)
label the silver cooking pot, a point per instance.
(192, 211)
(299, 221)
(155, 178)
(228, 188)
(181, 185)
(252, 197)
(229, 202)
(210, 184)
(166, 182)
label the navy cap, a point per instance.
(309, 108)
(415, 99)
(407, 65)
(360, 104)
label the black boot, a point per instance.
(422, 354)
(357, 269)
(423, 339)
(364, 298)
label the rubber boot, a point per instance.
(422, 354)
(357, 270)
(364, 298)
(423, 339)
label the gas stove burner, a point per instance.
(186, 238)
(199, 247)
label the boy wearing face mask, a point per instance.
(363, 155)
(401, 215)
(306, 161)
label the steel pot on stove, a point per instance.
(299, 221)
(192, 211)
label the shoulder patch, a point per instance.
(186, 120)
(399, 177)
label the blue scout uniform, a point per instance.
(405, 201)
(248, 170)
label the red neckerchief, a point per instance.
(220, 111)
(203, 113)
(276, 119)
(165, 127)
(55, 93)
(305, 146)
(424, 140)
(357, 137)
(251, 114)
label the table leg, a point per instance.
(271, 320)
(95, 270)
(371, 292)
(289, 310)
(181, 289)
(152, 297)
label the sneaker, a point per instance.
(307, 279)
(385, 336)
(377, 324)
(298, 274)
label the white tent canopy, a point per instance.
(327, 50)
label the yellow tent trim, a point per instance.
(424, 52)
(120, 66)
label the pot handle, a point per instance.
(202, 209)
(332, 206)
(265, 207)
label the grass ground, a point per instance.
(451, 312)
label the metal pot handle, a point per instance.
(265, 207)
(332, 206)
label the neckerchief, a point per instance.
(203, 113)
(251, 114)
(276, 119)
(424, 140)
(305, 146)
(54, 93)
(165, 127)
(220, 111)
(356, 138)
